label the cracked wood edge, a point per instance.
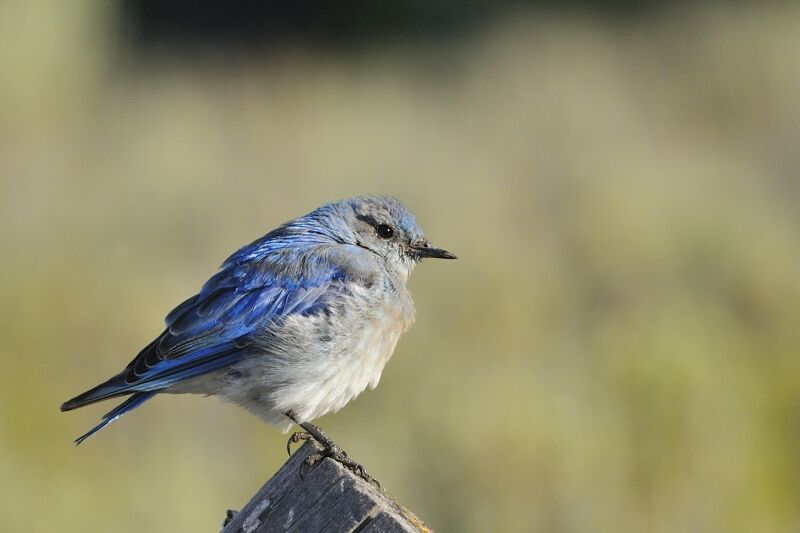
(327, 497)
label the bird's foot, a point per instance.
(295, 438)
(330, 449)
(336, 453)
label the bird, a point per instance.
(292, 326)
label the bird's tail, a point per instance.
(112, 388)
(134, 401)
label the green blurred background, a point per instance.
(616, 349)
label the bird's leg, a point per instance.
(335, 452)
(297, 436)
(331, 449)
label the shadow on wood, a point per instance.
(327, 498)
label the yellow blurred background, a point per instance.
(616, 349)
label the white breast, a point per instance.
(310, 377)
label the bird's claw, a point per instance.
(295, 438)
(329, 449)
(340, 456)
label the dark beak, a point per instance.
(424, 249)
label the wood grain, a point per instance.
(327, 497)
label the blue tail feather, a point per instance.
(134, 401)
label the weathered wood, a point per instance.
(327, 497)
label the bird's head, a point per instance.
(384, 226)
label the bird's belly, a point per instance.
(358, 364)
(314, 377)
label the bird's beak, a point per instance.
(424, 249)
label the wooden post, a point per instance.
(328, 497)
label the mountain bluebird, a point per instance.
(293, 326)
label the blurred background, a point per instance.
(616, 349)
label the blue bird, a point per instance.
(293, 326)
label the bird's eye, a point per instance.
(384, 231)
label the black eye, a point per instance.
(384, 231)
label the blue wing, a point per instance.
(212, 329)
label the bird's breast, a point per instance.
(374, 343)
(368, 342)
(312, 365)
